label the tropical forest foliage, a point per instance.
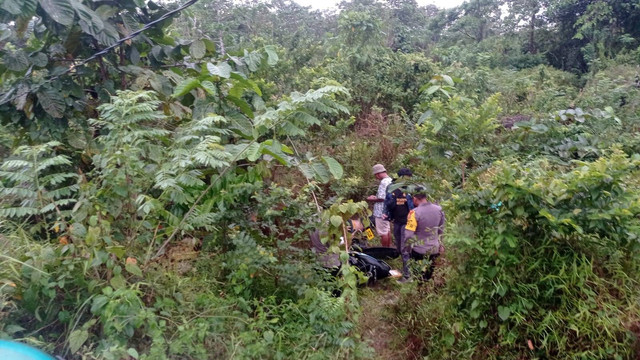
(163, 164)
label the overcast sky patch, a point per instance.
(328, 4)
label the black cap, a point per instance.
(405, 172)
(419, 192)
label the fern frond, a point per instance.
(190, 179)
(187, 138)
(293, 116)
(17, 177)
(211, 120)
(210, 153)
(55, 179)
(58, 203)
(15, 164)
(305, 118)
(19, 192)
(59, 160)
(319, 106)
(202, 218)
(63, 191)
(292, 130)
(165, 180)
(16, 212)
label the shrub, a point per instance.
(550, 266)
(455, 137)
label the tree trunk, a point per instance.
(221, 44)
(481, 31)
(532, 40)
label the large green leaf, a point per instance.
(272, 55)
(307, 171)
(39, 59)
(5, 34)
(98, 303)
(107, 11)
(133, 353)
(322, 173)
(253, 151)
(185, 86)
(448, 80)
(60, 11)
(52, 102)
(242, 84)
(274, 149)
(252, 59)
(90, 22)
(426, 115)
(13, 7)
(242, 105)
(109, 35)
(223, 69)
(433, 89)
(16, 61)
(209, 87)
(197, 49)
(334, 167)
(133, 269)
(22, 8)
(241, 124)
(156, 52)
(160, 84)
(135, 56)
(209, 45)
(76, 339)
(504, 312)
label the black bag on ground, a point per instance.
(381, 253)
(373, 268)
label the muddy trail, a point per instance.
(379, 323)
(376, 323)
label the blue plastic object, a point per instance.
(11, 350)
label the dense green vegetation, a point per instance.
(156, 199)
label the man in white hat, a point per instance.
(383, 228)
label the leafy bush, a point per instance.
(549, 267)
(615, 87)
(37, 186)
(90, 276)
(572, 134)
(455, 137)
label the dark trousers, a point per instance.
(397, 235)
(428, 272)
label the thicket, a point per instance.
(156, 201)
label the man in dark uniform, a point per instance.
(426, 224)
(397, 205)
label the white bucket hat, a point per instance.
(378, 168)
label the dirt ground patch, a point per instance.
(378, 324)
(377, 329)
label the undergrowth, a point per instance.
(546, 265)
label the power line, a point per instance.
(7, 96)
